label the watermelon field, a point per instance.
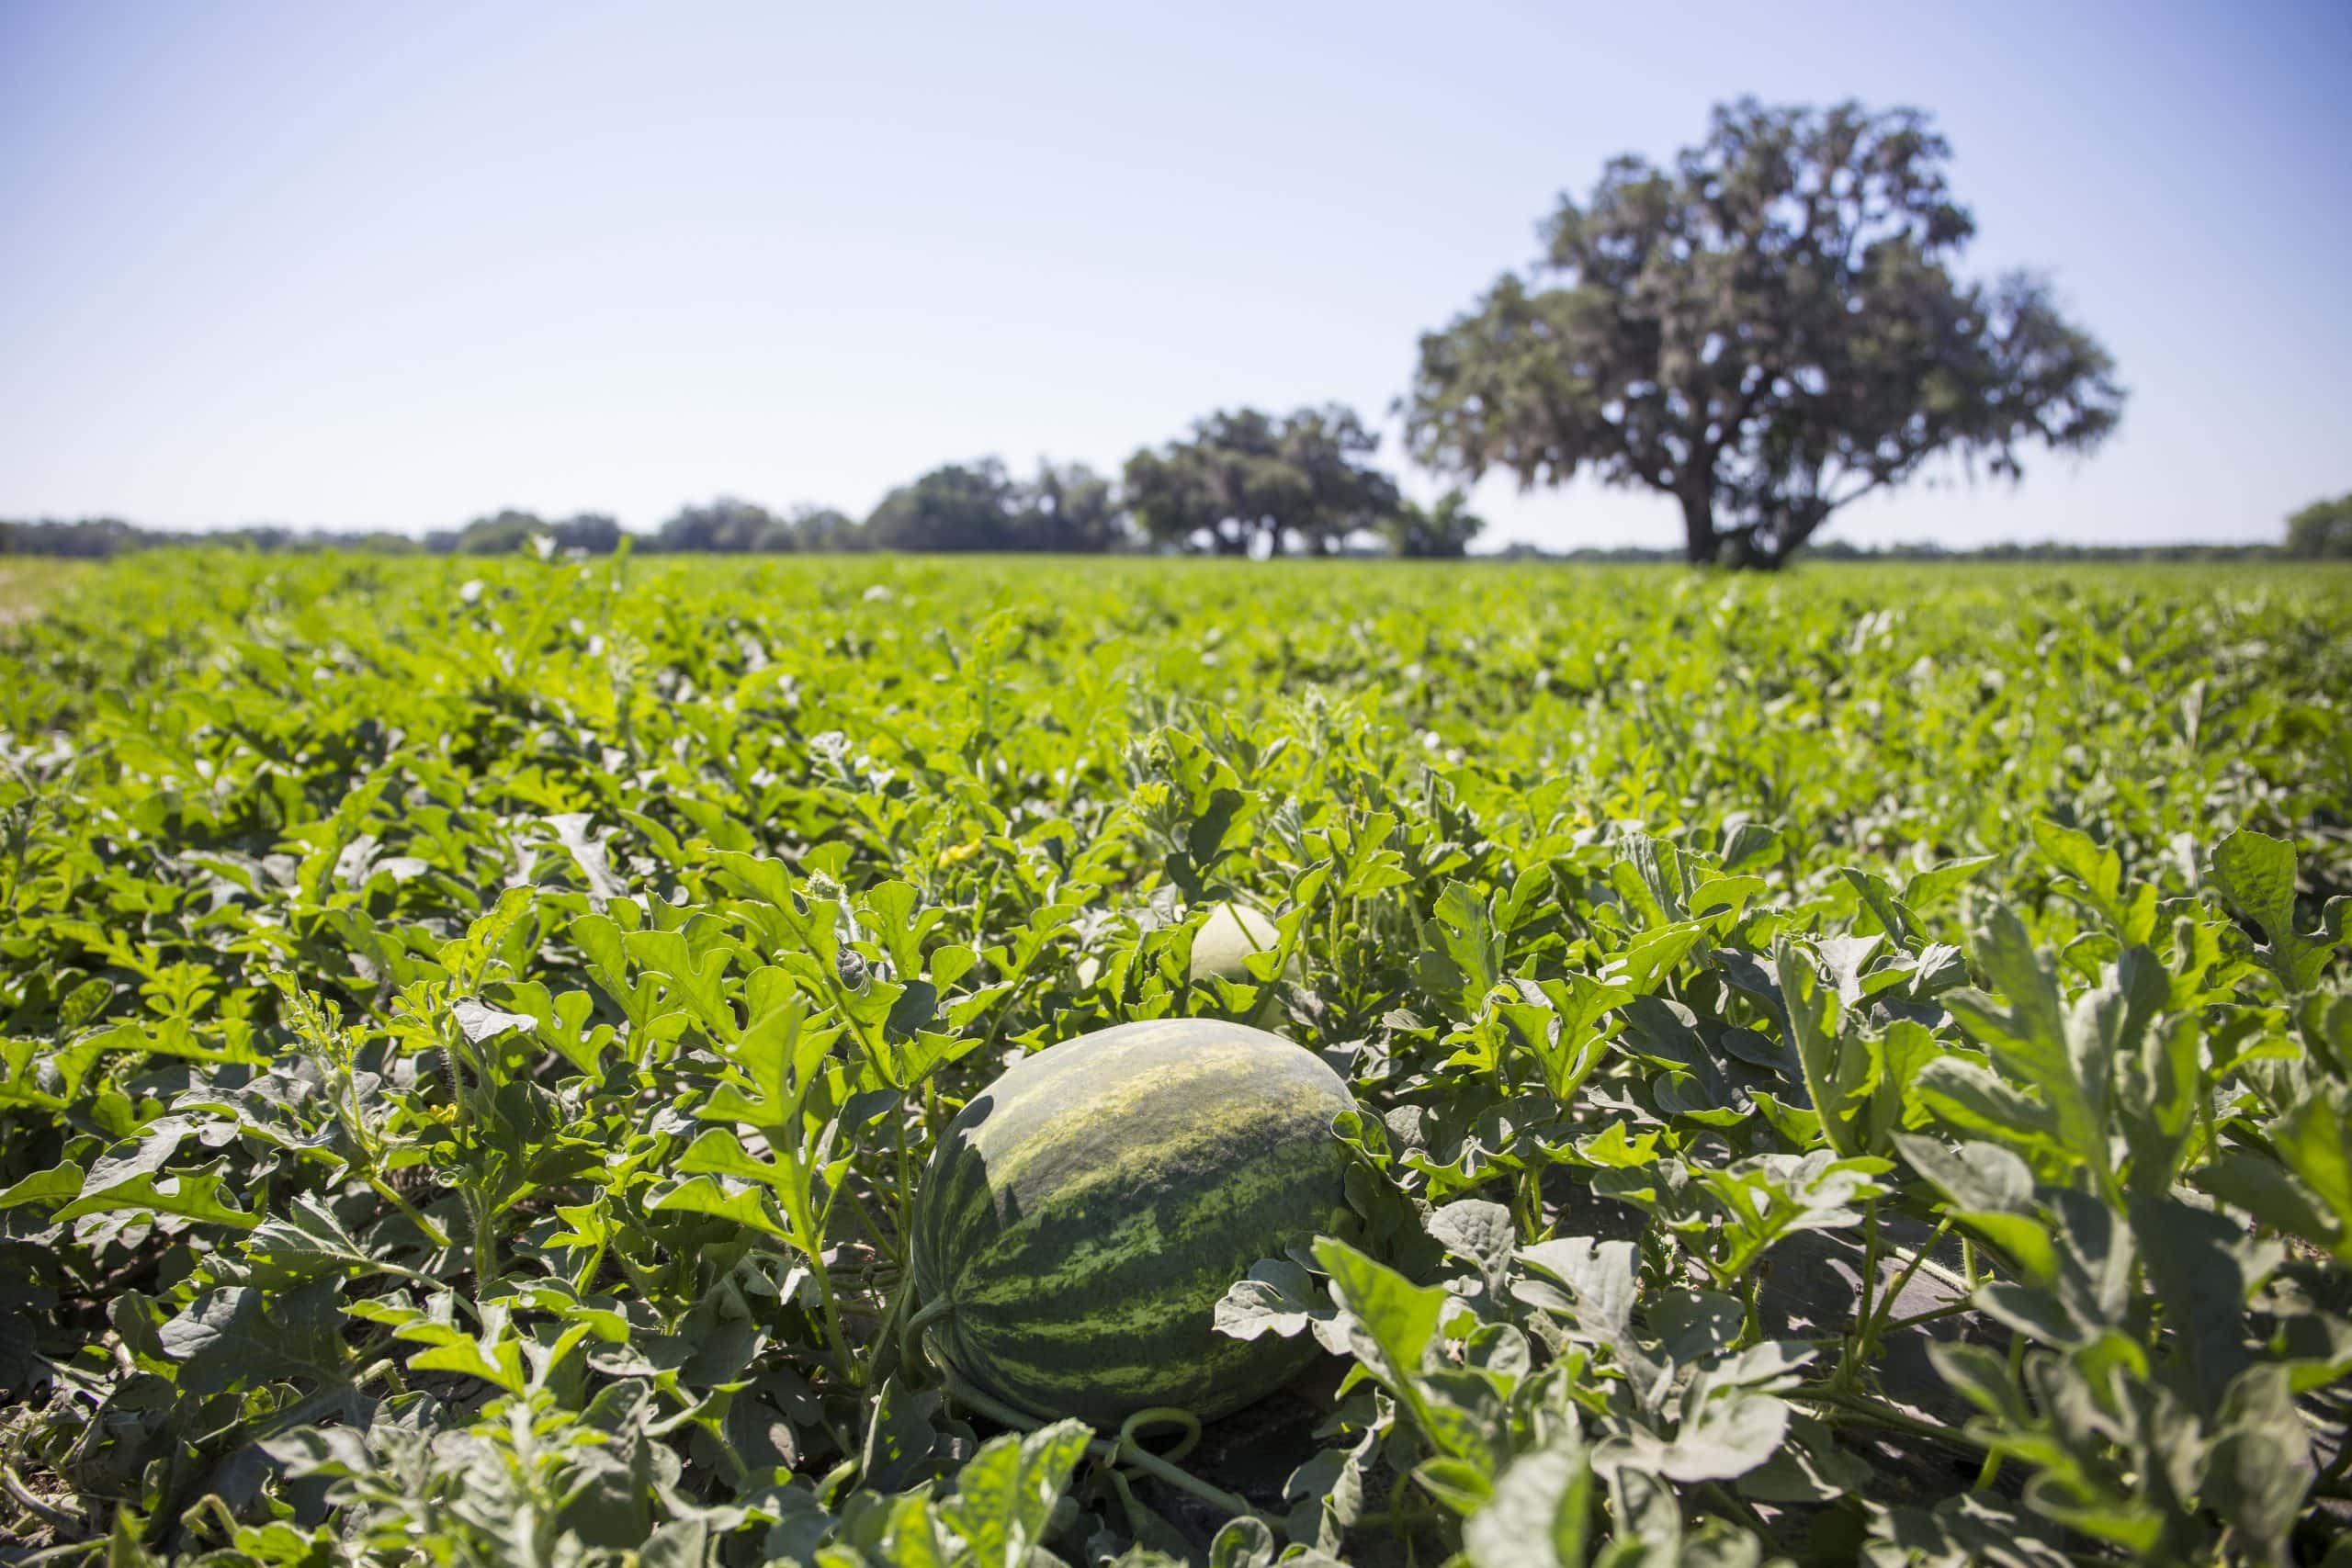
(538, 1062)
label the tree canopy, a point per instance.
(509, 529)
(1246, 478)
(725, 525)
(2322, 531)
(980, 506)
(1443, 530)
(1768, 331)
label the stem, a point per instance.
(910, 1336)
(1992, 1466)
(1985, 1473)
(1870, 1255)
(872, 1226)
(1003, 1009)
(24, 1497)
(1878, 1413)
(905, 1194)
(587, 1274)
(2335, 1472)
(485, 1243)
(1127, 1452)
(415, 1216)
(980, 909)
(1856, 1359)
(1738, 1506)
(885, 1332)
(1950, 1309)
(840, 1346)
(1902, 1282)
(1967, 1285)
(1163, 1415)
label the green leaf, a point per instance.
(1767, 1198)
(1973, 1100)
(1391, 1321)
(1460, 1483)
(1006, 1493)
(1834, 1073)
(2315, 1141)
(1479, 1232)
(1598, 1308)
(1650, 958)
(1730, 1435)
(693, 981)
(747, 1206)
(2098, 871)
(1881, 906)
(1930, 888)
(308, 1242)
(1461, 954)
(2031, 1038)
(1539, 1514)
(2256, 873)
(1991, 1189)
(2203, 1268)
(1276, 1297)
(2260, 1469)
(58, 1184)
(194, 1195)
(1572, 1043)
(243, 1337)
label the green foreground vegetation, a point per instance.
(27, 584)
(1853, 1064)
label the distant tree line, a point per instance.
(97, 538)
(2322, 531)
(1175, 500)
(1243, 482)
(2051, 550)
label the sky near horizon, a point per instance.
(378, 266)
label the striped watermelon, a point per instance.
(1086, 1210)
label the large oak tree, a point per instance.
(1767, 331)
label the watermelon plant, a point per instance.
(590, 1061)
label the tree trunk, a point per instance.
(1700, 541)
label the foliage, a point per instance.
(1856, 1065)
(980, 506)
(1442, 530)
(505, 532)
(2322, 531)
(1768, 331)
(1245, 481)
(102, 538)
(727, 527)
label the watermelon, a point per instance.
(1220, 948)
(1226, 940)
(1230, 934)
(1086, 1212)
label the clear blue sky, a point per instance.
(395, 265)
